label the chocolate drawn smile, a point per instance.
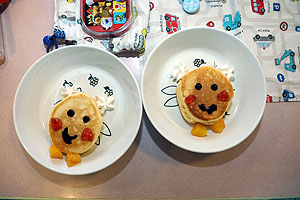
(210, 109)
(66, 137)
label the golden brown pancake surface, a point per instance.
(204, 95)
(75, 123)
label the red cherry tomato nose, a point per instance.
(190, 99)
(56, 124)
(223, 96)
(87, 135)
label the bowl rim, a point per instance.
(195, 28)
(57, 51)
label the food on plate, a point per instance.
(199, 130)
(74, 126)
(204, 96)
(73, 159)
(218, 126)
(55, 153)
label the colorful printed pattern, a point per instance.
(105, 13)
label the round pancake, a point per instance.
(204, 95)
(75, 123)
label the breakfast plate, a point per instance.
(203, 47)
(83, 69)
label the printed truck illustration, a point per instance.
(291, 66)
(297, 22)
(258, 6)
(288, 95)
(264, 41)
(232, 25)
(172, 23)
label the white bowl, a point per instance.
(38, 91)
(216, 47)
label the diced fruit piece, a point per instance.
(55, 153)
(87, 135)
(218, 126)
(73, 159)
(199, 130)
(56, 124)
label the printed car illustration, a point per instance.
(291, 66)
(288, 95)
(258, 6)
(172, 23)
(232, 25)
(297, 22)
(67, 17)
(264, 41)
(108, 44)
(269, 98)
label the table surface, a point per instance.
(266, 164)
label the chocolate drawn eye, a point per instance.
(214, 87)
(198, 86)
(71, 113)
(86, 119)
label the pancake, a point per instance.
(204, 95)
(75, 124)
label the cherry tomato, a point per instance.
(190, 99)
(56, 124)
(223, 96)
(87, 135)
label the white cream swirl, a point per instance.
(179, 71)
(67, 91)
(105, 103)
(228, 72)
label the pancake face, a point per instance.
(204, 95)
(75, 124)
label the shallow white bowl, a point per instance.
(38, 91)
(215, 47)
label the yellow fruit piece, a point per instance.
(73, 159)
(218, 126)
(199, 130)
(55, 153)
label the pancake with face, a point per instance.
(75, 124)
(204, 95)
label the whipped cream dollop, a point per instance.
(67, 91)
(228, 72)
(180, 70)
(105, 103)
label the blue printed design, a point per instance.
(276, 6)
(119, 18)
(93, 80)
(108, 91)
